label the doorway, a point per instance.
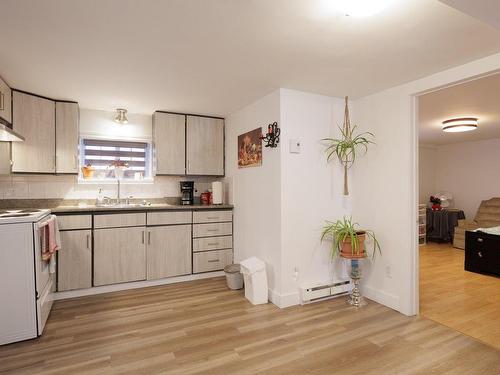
(455, 178)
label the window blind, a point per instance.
(101, 154)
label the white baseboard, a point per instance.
(133, 285)
(284, 300)
(384, 298)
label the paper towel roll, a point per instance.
(217, 192)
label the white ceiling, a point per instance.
(215, 56)
(479, 98)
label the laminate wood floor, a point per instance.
(201, 327)
(465, 301)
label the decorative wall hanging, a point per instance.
(250, 149)
(345, 148)
(272, 137)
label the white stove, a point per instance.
(26, 283)
(29, 215)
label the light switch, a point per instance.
(294, 146)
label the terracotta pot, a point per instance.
(87, 172)
(347, 251)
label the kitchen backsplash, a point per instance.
(67, 187)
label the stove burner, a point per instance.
(14, 215)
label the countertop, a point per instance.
(139, 207)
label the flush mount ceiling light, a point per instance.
(360, 8)
(121, 116)
(457, 125)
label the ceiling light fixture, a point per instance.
(121, 116)
(360, 8)
(457, 125)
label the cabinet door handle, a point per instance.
(75, 161)
(2, 101)
(212, 217)
(212, 230)
(143, 237)
(149, 238)
(479, 240)
(213, 261)
(212, 243)
(480, 254)
(88, 241)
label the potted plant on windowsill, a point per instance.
(348, 240)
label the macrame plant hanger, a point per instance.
(346, 129)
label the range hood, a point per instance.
(9, 135)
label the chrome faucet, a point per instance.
(118, 193)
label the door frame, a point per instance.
(414, 179)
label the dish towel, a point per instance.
(51, 242)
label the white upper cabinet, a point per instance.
(205, 146)
(67, 120)
(34, 118)
(5, 101)
(169, 136)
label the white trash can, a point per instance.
(254, 273)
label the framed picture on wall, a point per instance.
(250, 149)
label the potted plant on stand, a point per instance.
(349, 242)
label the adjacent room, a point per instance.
(232, 187)
(459, 207)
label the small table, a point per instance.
(441, 224)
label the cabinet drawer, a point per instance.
(211, 230)
(212, 260)
(212, 243)
(212, 216)
(166, 218)
(119, 220)
(69, 222)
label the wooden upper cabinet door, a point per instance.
(169, 136)
(5, 101)
(67, 120)
(205, 146)
(34, 118)
(169, 251)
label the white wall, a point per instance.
(426, 172)
(101, 124)
(311, 189)
(470, 171)
(385, 188)
(255, 191)
(281, 207)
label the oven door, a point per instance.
(44, 279)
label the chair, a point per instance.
(487, 216)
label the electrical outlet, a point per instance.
(296, 273)
(388, 271)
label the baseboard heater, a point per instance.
(319, 292)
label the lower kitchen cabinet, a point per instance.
(74, 260)
(168, 251)
(119, 255)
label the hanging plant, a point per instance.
(346, 148)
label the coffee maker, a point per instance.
(187, 192)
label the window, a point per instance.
(101, 158)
